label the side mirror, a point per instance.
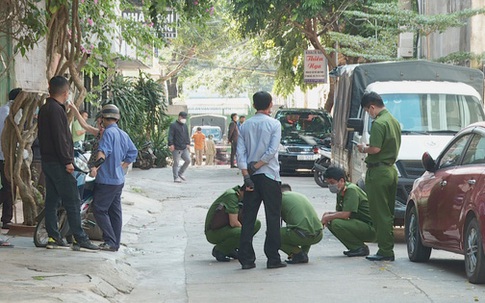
(355, 125)
(428, 163)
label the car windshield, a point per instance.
(433, 112)
(303, 128)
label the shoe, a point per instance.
(177, 180)
(53, 243)
(233, 254)
(85, 245)
(358, 252)
(300, 257)
(248, 266)
(275, 265)
(107, 247)
(6, 225)
(345, 252)
(219, 255)
(377, 257)
(182, 177)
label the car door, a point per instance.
(446, 197)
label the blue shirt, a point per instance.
(259, 139)
(117, 147)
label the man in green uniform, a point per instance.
(381, 175)
(303, 228)
(225, 232)
(351, 222)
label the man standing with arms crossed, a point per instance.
(381, 176)
(57, 151)
(257, 157)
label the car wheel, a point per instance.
(417, 252)
(474, 257)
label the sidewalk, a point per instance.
(166, 258)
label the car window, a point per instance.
(475, 153)
(452, 155)
(300, 126)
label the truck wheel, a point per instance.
(417, 252)
(474, 256)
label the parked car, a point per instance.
(303, 133)
(446, 207)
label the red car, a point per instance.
(446, 208)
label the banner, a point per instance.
(315, 67)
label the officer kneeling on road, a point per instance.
(351, 222)
(223, 224)
(303, 228)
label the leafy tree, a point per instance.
(79, 35)
(338, 28)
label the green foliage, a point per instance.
(364, 31)
(142, 105)
(222, 60)
(461, 58)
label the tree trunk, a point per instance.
(19, 132)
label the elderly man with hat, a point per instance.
(179, 144)
(115, 153)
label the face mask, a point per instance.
(183, 121)
(333, 188)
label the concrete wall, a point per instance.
(467, 38)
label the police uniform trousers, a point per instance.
(294, 241)
(381, 188)
(107, 212)
(227, 238)
(352, 232)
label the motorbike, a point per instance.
(145, 158)
(85, 185)
(322, 163)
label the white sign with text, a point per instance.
(315, 67)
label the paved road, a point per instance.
(165, 258)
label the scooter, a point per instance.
(145, 158)
(321, 164)
(85, 185)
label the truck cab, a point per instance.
(431, 101)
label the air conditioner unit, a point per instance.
(406, 45)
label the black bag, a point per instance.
(221, 217)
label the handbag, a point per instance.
(221, 217)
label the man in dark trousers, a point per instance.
(117, 151)
(232, 135)
(381, 175)
(179, 144)
(6, 193)
(257, 157)
(57, 152)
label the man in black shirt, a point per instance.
(179, 143)
(57, 152)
